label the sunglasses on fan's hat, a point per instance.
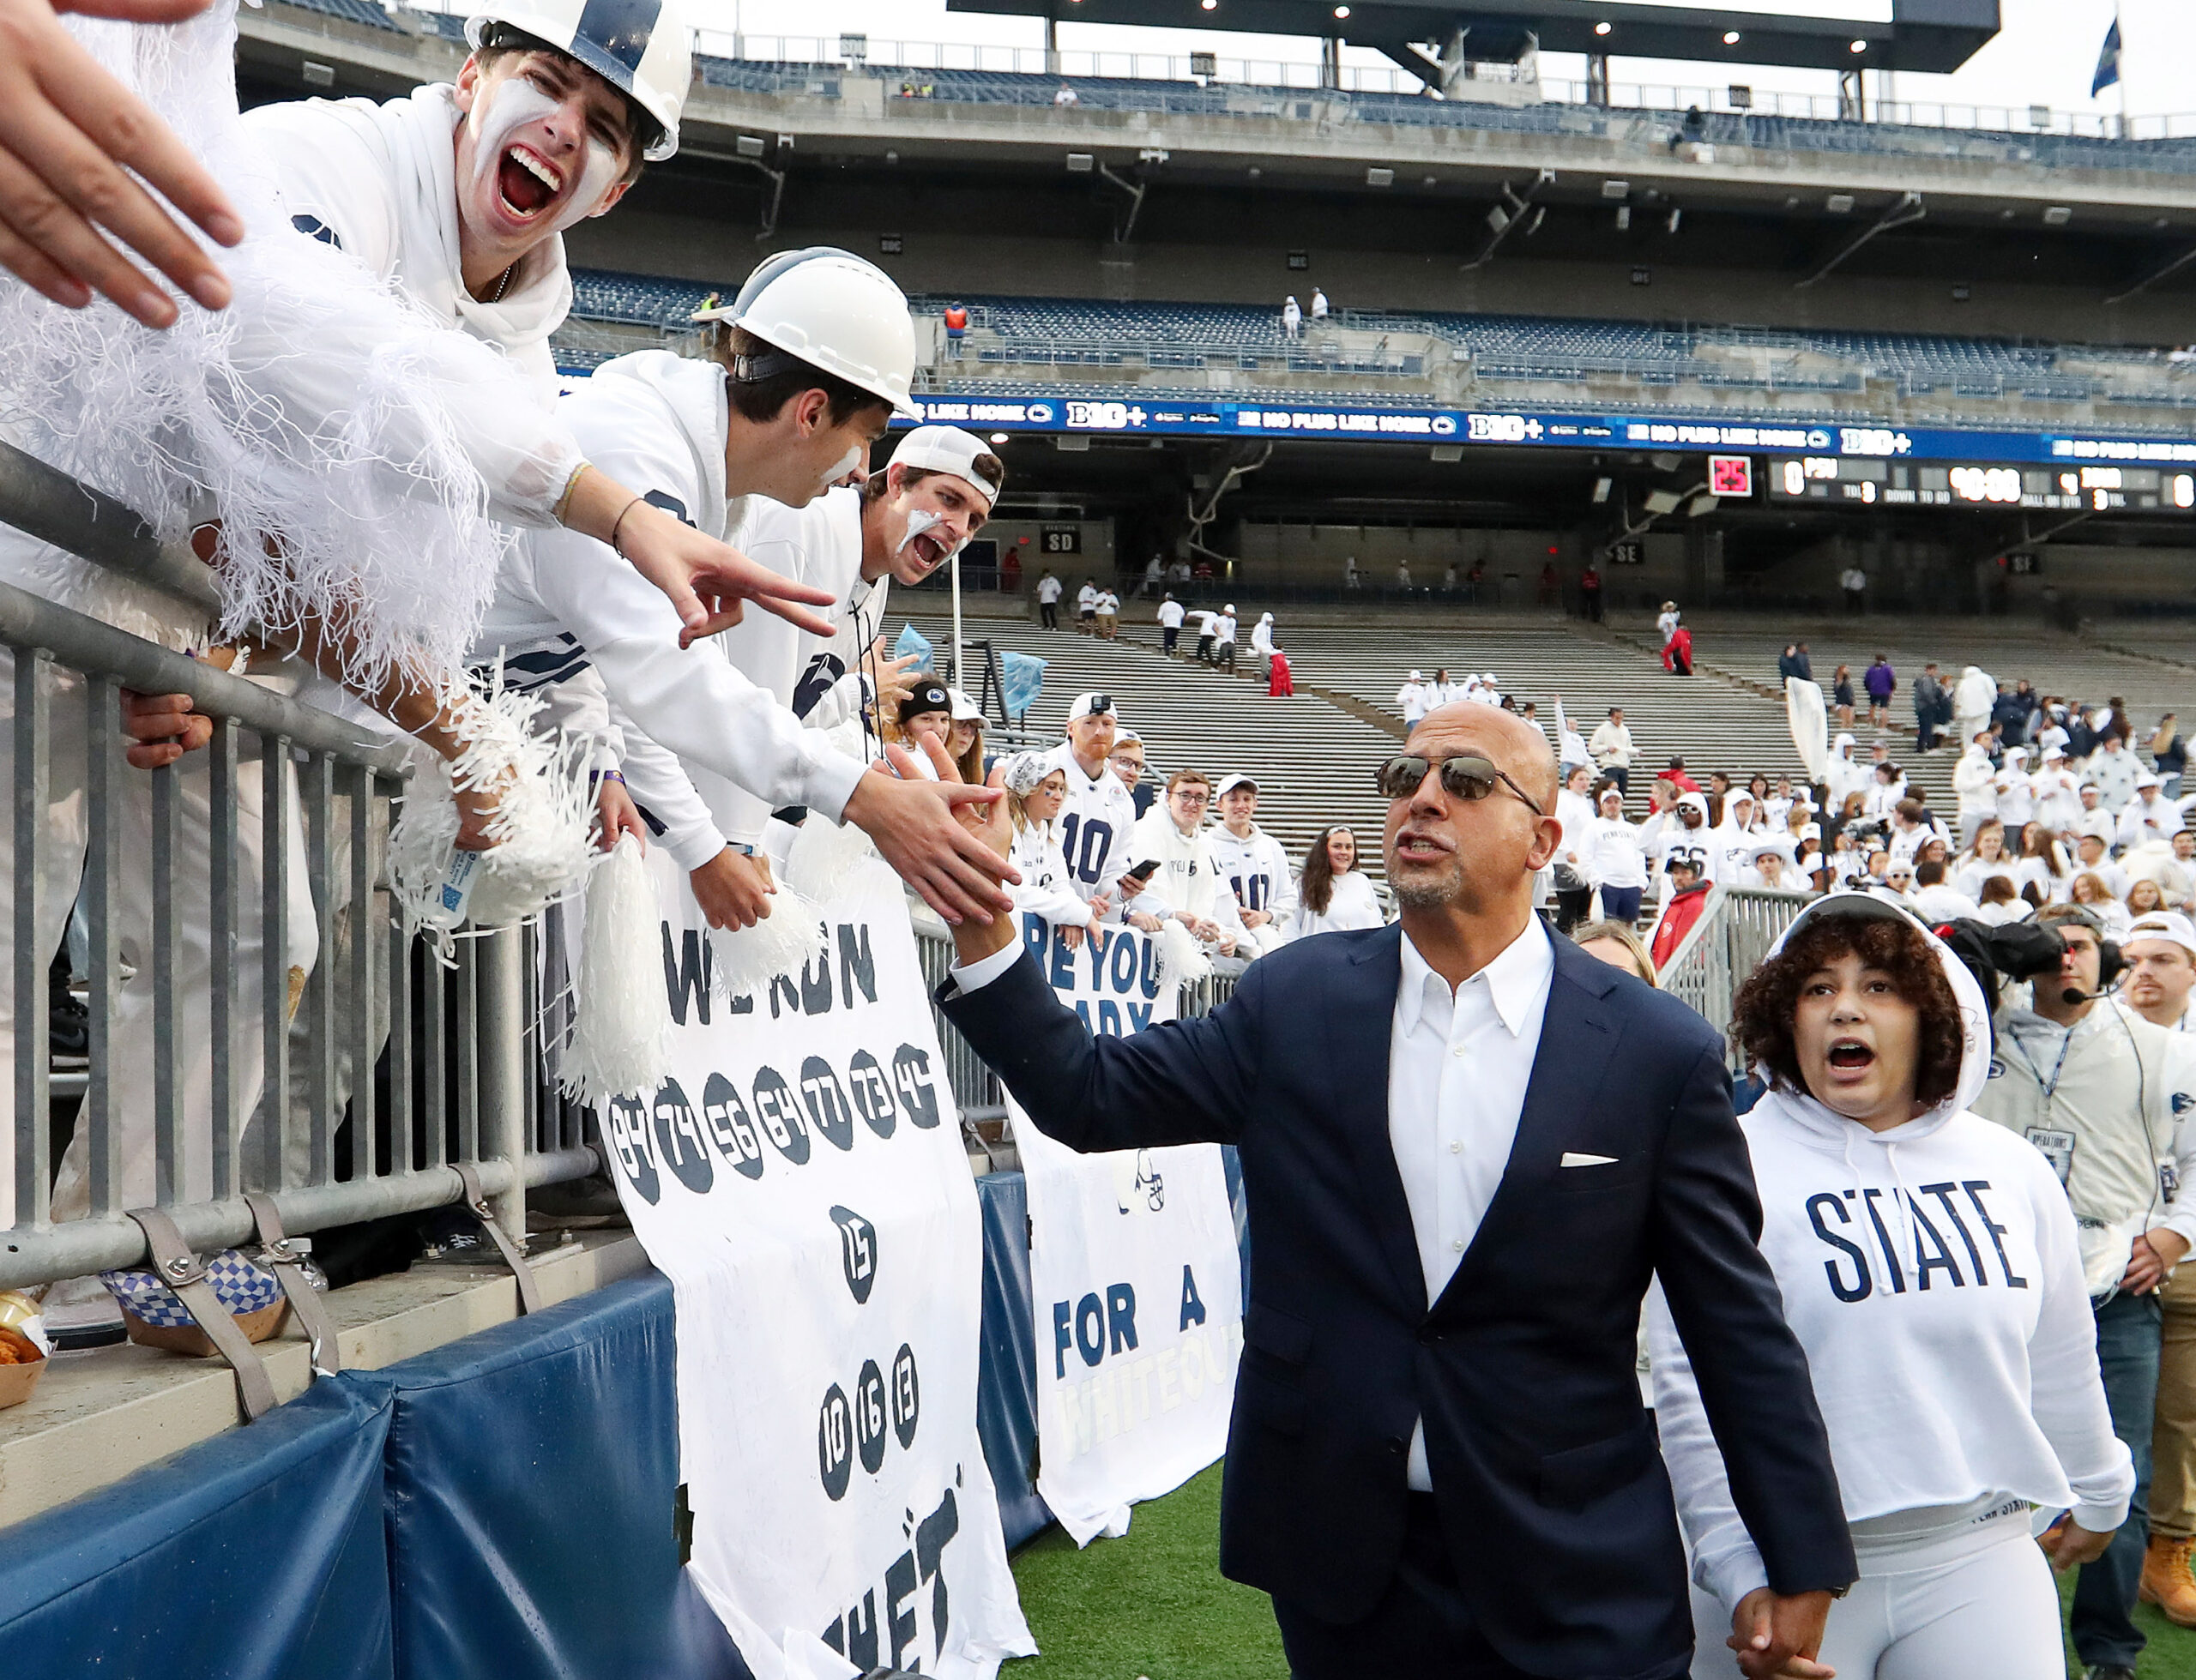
(1468, 777)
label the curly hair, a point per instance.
(1763, 1012)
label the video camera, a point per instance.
(2021, 951)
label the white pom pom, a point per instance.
(1182, 960)
(539, 828)
(621, 1040)
(827, 858)
(784, 941)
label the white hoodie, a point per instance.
(1931, 1273)
(656, 422)
(1256, 870)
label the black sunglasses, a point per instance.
(1463, 778)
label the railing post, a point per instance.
(499, 989)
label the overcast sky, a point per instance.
(2045, 55)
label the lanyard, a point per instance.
(2051, 1085)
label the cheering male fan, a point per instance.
(1466, 1144)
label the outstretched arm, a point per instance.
(1183, 1081)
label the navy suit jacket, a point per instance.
(1549, 1485)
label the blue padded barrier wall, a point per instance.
(255, 1555)
(1006, 1367)
(533, 1472)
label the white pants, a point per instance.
(1990, 1615)
(61, 868)
(130, 1098)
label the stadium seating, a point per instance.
(368, 16)
(1639, 128)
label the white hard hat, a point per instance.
(642, 47)
(830, 308)
(947, 450)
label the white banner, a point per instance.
(802, 1181)
(1136, 1280)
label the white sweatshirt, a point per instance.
(1094, 824)
(657, 423)
(820, 545)
(1045, 890)
(1256, 870)
(1188, 879)
(1352, 903)
(1932, 1275)
(379, 182)
(1614, 852)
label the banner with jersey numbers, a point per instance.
(1134, 1275)
(802, 1181)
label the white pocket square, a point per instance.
(1572, 1158)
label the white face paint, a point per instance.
(920, 520)
(510, 105)
(847, 464)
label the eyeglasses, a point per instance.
(1461, 778)
(1184, 796)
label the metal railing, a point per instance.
(1736, 928)
(377, 1070)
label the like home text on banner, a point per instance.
(801, 1180)
(1136, 1280)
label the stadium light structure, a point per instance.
(1935, 36)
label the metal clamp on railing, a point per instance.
(183, 1274)
(529, 1291)
(280, 1254)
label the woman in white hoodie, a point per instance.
(1929, 1264)
(1034, 798)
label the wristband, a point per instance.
(617, 776)
(620, 519)
(564, 502)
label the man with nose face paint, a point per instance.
(902, 525)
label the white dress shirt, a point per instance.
(1458, 1064)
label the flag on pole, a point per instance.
(2107, 61)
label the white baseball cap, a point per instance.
(2146, 779)
(1414, 676)
(2168, 924)
(1087, 705)
(965, 710)
(1229, 784)
(947, 450)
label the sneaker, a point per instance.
(2167, 1581)
(2108, 1672)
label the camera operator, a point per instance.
(2100, 1090)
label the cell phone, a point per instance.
(1144, 870)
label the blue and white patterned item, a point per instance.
(241, 1287)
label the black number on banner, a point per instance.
(679, 1136)
(835, 1446)
(828, 1109)
(906, 1397)
(725, 1117)
(918, 1096)
(873, 1096)
(627, 1122)
(778, 1110)
(869, 1417)
(857, 1252)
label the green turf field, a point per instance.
(1189, 1625)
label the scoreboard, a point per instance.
(2085, 489)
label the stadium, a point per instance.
(1806, 473)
